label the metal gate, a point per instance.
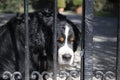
(86, 72)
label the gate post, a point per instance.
(88, 15)
(118, 43)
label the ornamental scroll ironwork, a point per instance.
(35, 75)
(12, 76)
(100, 75)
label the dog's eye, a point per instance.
(72, 39)
(61, 39)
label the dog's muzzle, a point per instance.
(65, 56)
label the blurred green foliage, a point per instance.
(76, 2)
(9, 5)
(99, 4)
(72, 4)
(101, 7)
(61, 3)
(104, 8)
(13, 6)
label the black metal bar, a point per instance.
(88, 62)
(83, 25)
(118, 43)
(55, 41)
(83, 40)
(27, 54)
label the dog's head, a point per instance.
(68, 39)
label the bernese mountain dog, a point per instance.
(12, 42)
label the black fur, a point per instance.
(12, 42)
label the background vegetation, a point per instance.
(105, 7)
(101, 7)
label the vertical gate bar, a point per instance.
(27, 54)
(83, 41)
(88, 62)
(118, 44)
(55, 41)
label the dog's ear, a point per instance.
(77, 32)
(77, 43)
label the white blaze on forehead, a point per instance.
(65, 49)
(66, 33)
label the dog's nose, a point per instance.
(66, 57)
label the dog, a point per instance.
(12, 42)
(68, 39)
(12, 45)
